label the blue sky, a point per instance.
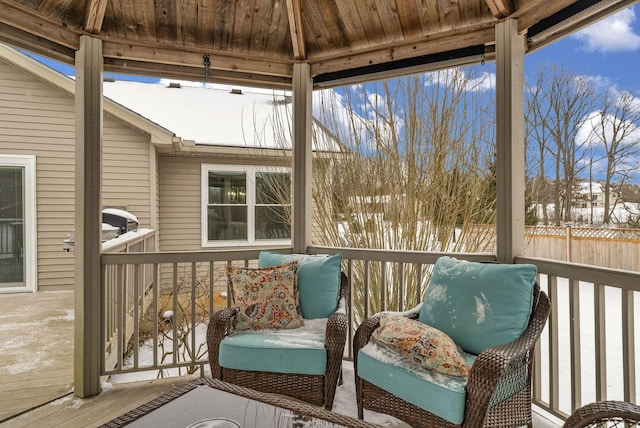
(608, 50)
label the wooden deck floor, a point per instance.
(36, 345)
(36, 374)
(72, 412)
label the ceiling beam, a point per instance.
(398, 52)
(294, 11)
(94, 15)
(501, 8)
(437, 61)
(195, 74)
(37, 45)
(125, 51)
(571, 19)
(25, 19)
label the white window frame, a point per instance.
(250, 171)
(28, 162)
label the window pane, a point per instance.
(272, 222)
(227, 187)
(226, 223)
(273, 188)
(12, 267)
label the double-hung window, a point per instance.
(245, 205)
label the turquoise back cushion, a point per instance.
(318, 280)
(479, 305)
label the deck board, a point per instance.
(36, 333)
(72, 412)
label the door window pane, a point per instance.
(12, 240)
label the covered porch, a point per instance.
(319, 53)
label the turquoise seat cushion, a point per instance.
(441, 394)
(318, 280)
(479, 305)
(299, 351)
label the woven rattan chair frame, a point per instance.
(605, 414)
(498, 389)
(315, 389)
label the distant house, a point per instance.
(180, 158)
(592, 195)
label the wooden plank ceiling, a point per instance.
(257, 42)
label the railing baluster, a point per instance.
(122, 313)
(600, 329)
(537, 369)
(574, 334)
(419, 283)
(136, 317)
(211, 287)
(349, 307)
(174, 318)
(383, 287)
(156, 321)
(193, 311)
(554, 393)
(628, 347)
(366, 289)
(401, 287)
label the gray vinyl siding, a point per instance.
(125, 162)
(39, 119)
(180, 203)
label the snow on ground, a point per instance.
(587, 352)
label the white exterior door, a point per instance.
(17, 224)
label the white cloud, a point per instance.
(486, 82)
(612, 34)
(457, 76)
(598, 128)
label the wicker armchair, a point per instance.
(315, 389)
(605, 414)
(498, 390)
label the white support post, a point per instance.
(88, 222)
(302, 151)
(510, 141)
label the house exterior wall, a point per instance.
(181, 197)
(38, 119)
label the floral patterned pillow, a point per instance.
(421, 343)
(266, 298)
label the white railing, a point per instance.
(125, 291)
(587, 351)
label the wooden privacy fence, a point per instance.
(608, 247)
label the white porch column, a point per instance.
(302, 150)
(510, 140)
(88, 222)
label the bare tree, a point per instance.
(417, 172)
(558, 103)
(616, 130)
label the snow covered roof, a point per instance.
(213, 114)
(595, 188)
